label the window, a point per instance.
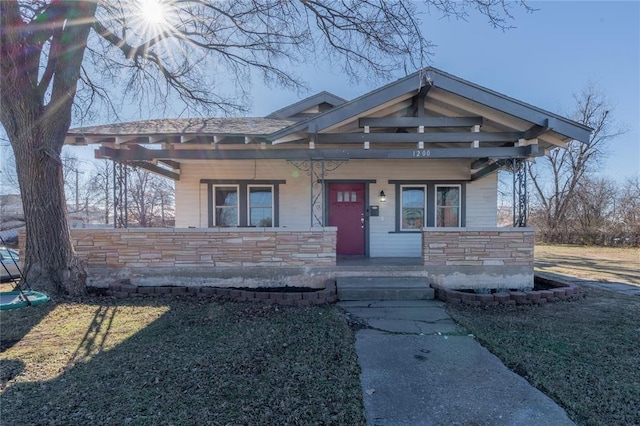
(226, 202)
(447, 206)
(413, 207)
(239, 203)
(424, 203)
(260, 205)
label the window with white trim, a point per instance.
(260, 206)
(226, 206)
(412, 207)
(447, 206)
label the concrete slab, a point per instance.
(392, 304)
(436, 380)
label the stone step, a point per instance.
(384, 288)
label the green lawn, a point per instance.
(168, 361)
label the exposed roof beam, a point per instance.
(420, 121)
(485, 171)
(155, 169)
(537, 131)
(479, 163)
(418, 101)
(306, 154)
(173, 164)
(453, 137)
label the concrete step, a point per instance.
(384, 288)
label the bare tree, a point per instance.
(628, 212)
(101, 186)
(556, 176)
(150, 198)
(55, 54)
(592, 214)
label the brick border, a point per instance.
(562, 291)
(294, 298)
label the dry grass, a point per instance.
(604, 264)
(161, 361)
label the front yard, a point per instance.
(584, 354)
(167, 361)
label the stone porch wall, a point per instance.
(479, 258)
(211, 247)
(209, 257)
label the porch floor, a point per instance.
(378, 261)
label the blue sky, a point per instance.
(552, 54)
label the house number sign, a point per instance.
(421, 153)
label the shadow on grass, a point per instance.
(199, 362)
(620, 270)
(16, 323)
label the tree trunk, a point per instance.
(51, 264)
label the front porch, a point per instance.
(454, 258)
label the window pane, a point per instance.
(413, 207)
(412, 218)
(227, 216)
(346, 197)
(339, 196)
(448, 196)
(260, 216)
(413, 197)
(447, 217)
(260, 207)
(226, 196)
(353, 197)
(447, 206)
(226, 200)
(260, 197)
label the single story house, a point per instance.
(408, 170)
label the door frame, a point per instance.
(326, 205)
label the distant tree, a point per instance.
(591, 215)
(150, 198)
(55, 54)
(555, 177)
(101, 187)
(628, 212)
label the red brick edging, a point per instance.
(534, 297)
(293, 298)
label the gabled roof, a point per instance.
(426, 79)
(319, 99)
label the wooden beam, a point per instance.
(420, 121)
(155, 169)
(327, 154)
(537, 131)
(486, 171)
(440, 137)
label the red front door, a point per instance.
(346, 211)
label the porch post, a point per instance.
(520, 201)
(120, 198)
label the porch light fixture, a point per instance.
(383, 198)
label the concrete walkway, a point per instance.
(418, 368)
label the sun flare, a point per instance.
(153, 11)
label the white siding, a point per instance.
(482, 202)
(192, 209)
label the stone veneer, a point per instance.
(479, 258)
(218, 247)
(226, 257)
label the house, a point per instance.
(408, 170)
